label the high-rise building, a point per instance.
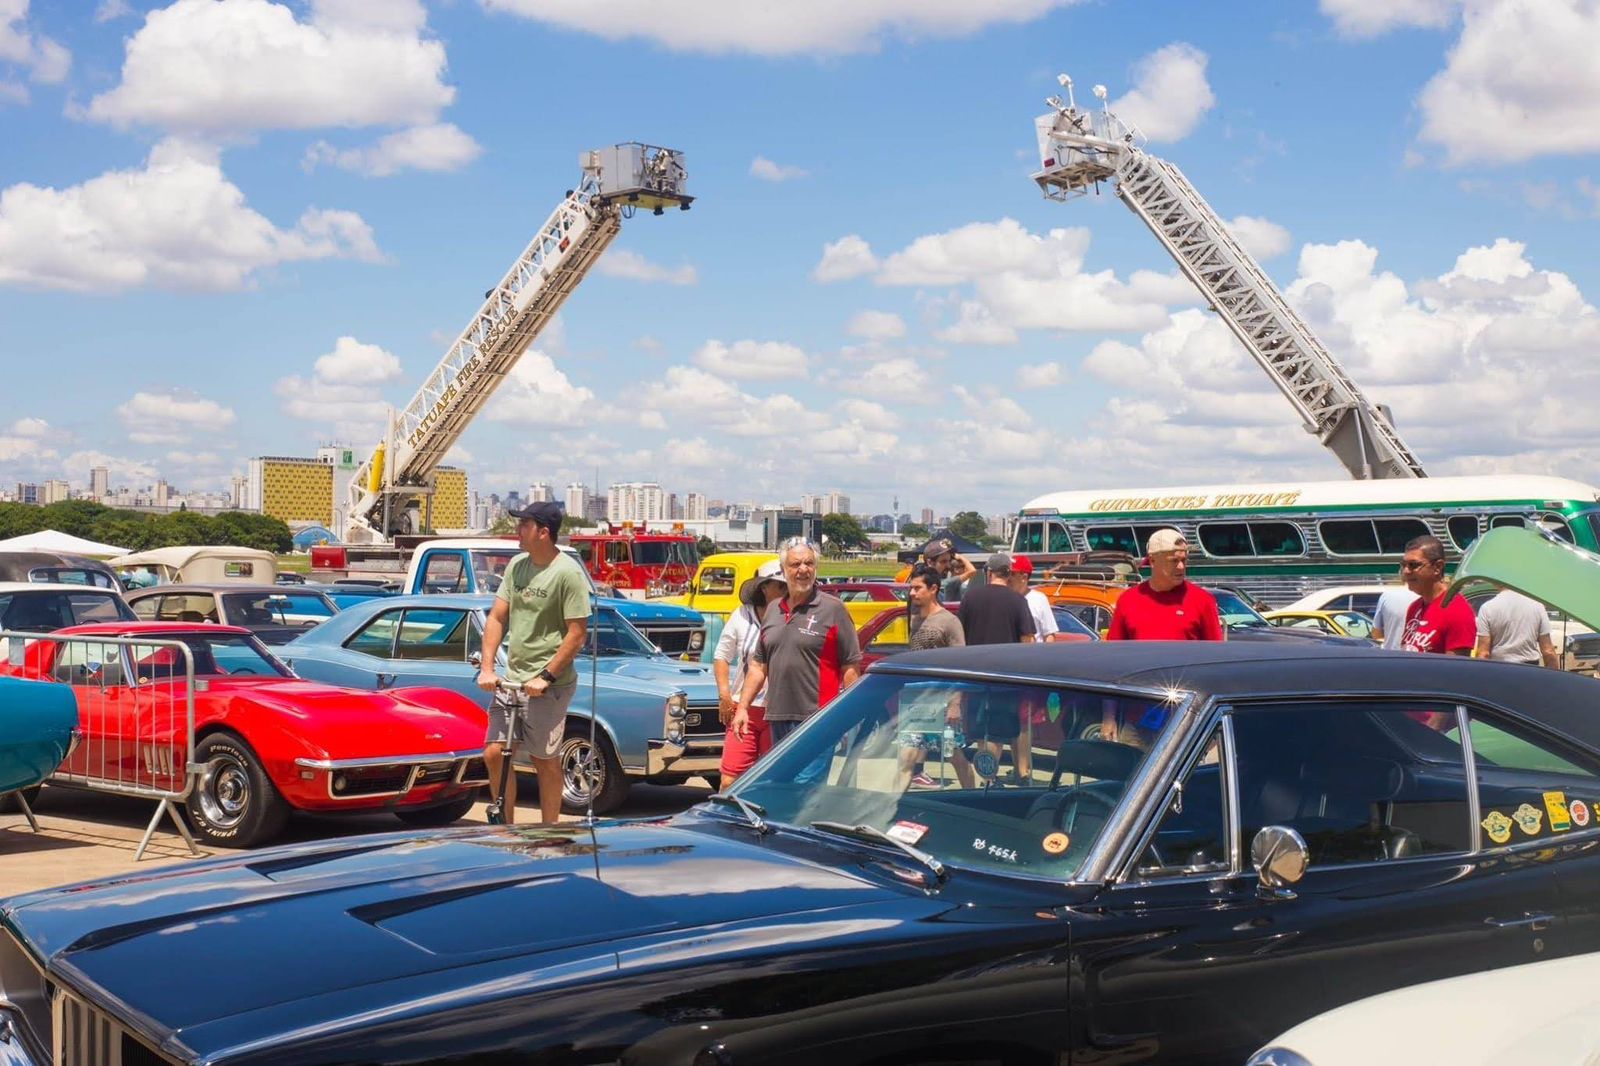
(295, 489)
(636, 501)
(449, 503)
(99, 482)
(836, 503)
(163, 494)
(674, 507)
(54, 491)
(540, 492)
(927, 517)
(240, 494)
(578, 499)
(695, 507)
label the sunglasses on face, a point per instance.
(1416, 564)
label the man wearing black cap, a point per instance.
(954, 568)
(542, 611)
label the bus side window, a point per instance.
(1516, 521)
(1029, 537)
(1060, 539)
(1395, 533)
(1113, 538)
(1463, 529)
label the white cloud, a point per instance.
(343, 390)
(159, 418)
(687, 389)
(204, 67)
(901, 380)
(353, 363)
(110, 10)
(1495, 327)
(1369, 18)
(698, 454)
(976, 324)
(981, 249)
(538, 394)
(30, 427)
(846, 258)
(1170, 93)
(752, 360)
(876, 325)
(41, 59)
(818, 27)
(1040, 375)
(765, 169)
(1521, 82)
(121, 469)
(438, 146)
(635, 267)
(178, 223)
(1261, 237)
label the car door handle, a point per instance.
(385, 680)
(1538, 923)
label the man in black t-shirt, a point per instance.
(994, 613)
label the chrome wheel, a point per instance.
(583, 772)
(223, 790)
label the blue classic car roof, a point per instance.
(353, 617)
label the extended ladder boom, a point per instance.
(1080, 149)
(615, 182)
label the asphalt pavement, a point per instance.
(89, 835)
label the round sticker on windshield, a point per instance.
(986, 764)
(1580, 813)
(1056, 843)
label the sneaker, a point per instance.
(923, 781)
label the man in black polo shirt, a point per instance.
(995, 613)
(808, 652)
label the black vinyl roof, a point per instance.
(1566, 702)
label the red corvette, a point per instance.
(266, 742)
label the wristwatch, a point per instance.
(546, 676)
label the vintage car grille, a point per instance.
(435, 773)
(673, 640)
(370, 781)
(82, 1035)
(475, 772)
(701, 721)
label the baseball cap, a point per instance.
(1165, 540)
(544, 512)
(998, 563)
(935, 548)
(1021, 564)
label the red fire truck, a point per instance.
(638, 561)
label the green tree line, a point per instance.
(138, 530)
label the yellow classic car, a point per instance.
(714, 592)
(1338, 623)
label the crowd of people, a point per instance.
(791, 647)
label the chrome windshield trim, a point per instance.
(1232, 817)
(888, 666)
(385, 760)
(1144, 791)
(1464, 727)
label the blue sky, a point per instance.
(236, 228)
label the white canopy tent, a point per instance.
(51, 540)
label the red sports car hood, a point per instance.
(411, 721)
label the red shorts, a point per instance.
(740, 753)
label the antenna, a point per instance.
(1065, 82)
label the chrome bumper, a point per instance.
(13, 1052)
(695, 757)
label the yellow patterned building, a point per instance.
(293, 489)
(303, 490)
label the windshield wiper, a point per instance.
(751, 810)
(872, 833)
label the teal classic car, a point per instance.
(655, 716)
(38, 721)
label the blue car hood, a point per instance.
(338, 928)
(694, 678)
(637, 611)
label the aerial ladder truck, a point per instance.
(1081, 149)
(383, 497)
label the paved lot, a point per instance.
(86, 835)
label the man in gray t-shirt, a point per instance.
(1390, 616)
(1513, 628)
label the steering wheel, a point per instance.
(1104, 760)
(1061, 809)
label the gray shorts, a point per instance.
(544, 719)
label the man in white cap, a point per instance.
(1166, 606)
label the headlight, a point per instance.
(697, 640)
(677, 706)
(675, 734)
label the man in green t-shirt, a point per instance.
(542, 611)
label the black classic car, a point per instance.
(1278, 830)
(276, 614)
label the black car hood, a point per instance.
(213, 954)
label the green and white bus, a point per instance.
(1279, 542)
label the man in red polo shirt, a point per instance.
(1431, 626)
(1166, 607)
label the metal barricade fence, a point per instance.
(135, 715)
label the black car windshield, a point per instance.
(990, 774)
(231, 655)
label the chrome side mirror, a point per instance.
(476, 659)
(1280, 857)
